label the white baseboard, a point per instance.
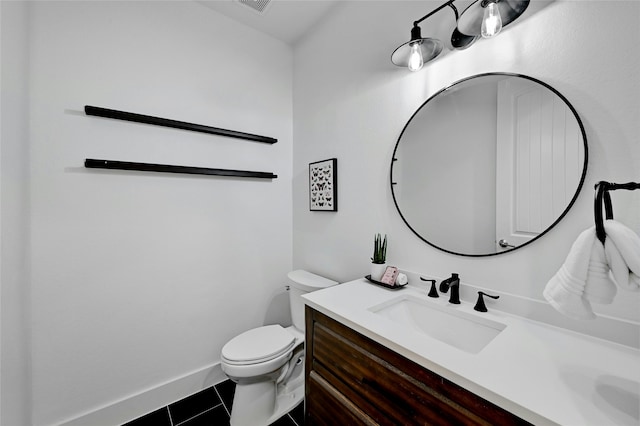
(136, 405)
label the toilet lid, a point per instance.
(258, 345)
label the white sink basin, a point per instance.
(462, 330)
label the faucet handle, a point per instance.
(480, 306)
(433, 292)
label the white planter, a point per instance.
(377, 270)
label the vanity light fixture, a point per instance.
(482, 18)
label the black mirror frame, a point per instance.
(566, 210)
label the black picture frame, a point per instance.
(323, 185)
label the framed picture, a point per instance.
(323, 185)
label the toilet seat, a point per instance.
(258, 345)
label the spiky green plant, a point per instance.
(379, 249)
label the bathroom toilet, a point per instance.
(267, 363)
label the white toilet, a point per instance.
(267, 363)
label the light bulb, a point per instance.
(491, 22)
(415, 57)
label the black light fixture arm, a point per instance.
(437, 9)
(455, 11)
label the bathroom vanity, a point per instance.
(365, 383)
(378, 356)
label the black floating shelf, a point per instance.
(165, 168)
(147, 119)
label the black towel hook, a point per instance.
(602, 197)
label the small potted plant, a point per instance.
(378, 261)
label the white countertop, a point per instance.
(544, 374)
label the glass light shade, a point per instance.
(415, 57)
(491, 22)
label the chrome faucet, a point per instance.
(452, 283)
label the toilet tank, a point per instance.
(302, 282)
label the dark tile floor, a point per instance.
(210, 407)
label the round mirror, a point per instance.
(489, 164)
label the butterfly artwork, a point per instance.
(323, 181)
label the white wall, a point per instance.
(350, 102)
(139, 279)
(15, 378)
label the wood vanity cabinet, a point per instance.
(352, 380)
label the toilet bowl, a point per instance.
(267, 363)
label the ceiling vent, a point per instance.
(258, 6)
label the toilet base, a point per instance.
(260, 404)
(289, 395)
(253, 403)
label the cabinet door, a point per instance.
(382, 385)
(328, 407)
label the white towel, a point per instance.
(585, 275)
(565, 291)
(599, 288)
(622, 249)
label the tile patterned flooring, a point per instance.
(210, 407)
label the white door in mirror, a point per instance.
(538, 161)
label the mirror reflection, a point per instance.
(488, 164)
